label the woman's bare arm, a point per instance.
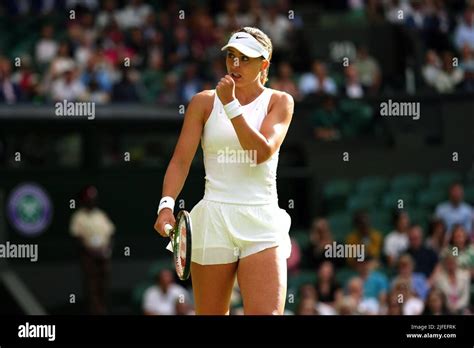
(273, 129)
(183, 154)
(185, 150)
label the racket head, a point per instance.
(182, 246)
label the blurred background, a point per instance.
(402, 187)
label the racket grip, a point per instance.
(168, 229)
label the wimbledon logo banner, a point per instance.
(29, 209)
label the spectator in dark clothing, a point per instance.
(125, 90)
(425, 258)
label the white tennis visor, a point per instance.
(247, 44)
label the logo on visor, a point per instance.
(241, 37)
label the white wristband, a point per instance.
(233, 109)
(166, 202)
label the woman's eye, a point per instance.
(245, 58)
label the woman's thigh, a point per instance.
(262, 280)
(212, 287)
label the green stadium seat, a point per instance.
(469, 194)
(390, 199)
(361, 202)
(371, 185)
(137, 295)
(430, 197)
(443, 179)
(301, 237)
(335, 194)
(344, 274)
(420, 216)
(341, 225)
(381, 220)
(407, 182)
(303, 277)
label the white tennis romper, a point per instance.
(239, 214)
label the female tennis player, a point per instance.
(238, 228)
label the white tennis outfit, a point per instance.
(239, 214)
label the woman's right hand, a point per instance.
(165, 217)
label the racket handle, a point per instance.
(168, 229)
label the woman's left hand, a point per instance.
(226, 89)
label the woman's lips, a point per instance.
(235, 75)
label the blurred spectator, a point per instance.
(231, 19)
(454, 282)
(293, 262)
(306, 306)
(9, 92)
(108, 14)
(375, 282)
(183, 308)
(416, 17)
(464, 33)
(435, 303)
(366, 235)
(364, 305)
(180, 50)
(412, 305)
(320, 236)
(98, 73)
(368, 70)
(309, 303)
(432, 68)
(450, 77)
(396, 242)
(277, 26)
(47, 47)
(27, 80)
(161, 298)
(68, 87)
(327, 120)
(461, 247)
(61, 62)
(134, 14)
(395, 8)
(417, 280)
(353, 88)
(93, 230)
(467, 65)
(436, 235)
(317, 81)
(170, 93)
(425, 258)
(191, 83)
(456, 211)
(125, 91)
(328, 289)
(394, 306)
(284, 81)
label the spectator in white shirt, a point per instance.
(317, 81)
(396, 242)
(464, 33)
(456, 211)
(134, 14)
(46, 47)
(162, 298)
(68, 87)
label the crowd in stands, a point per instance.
(138, 51)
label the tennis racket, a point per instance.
(181, 240)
